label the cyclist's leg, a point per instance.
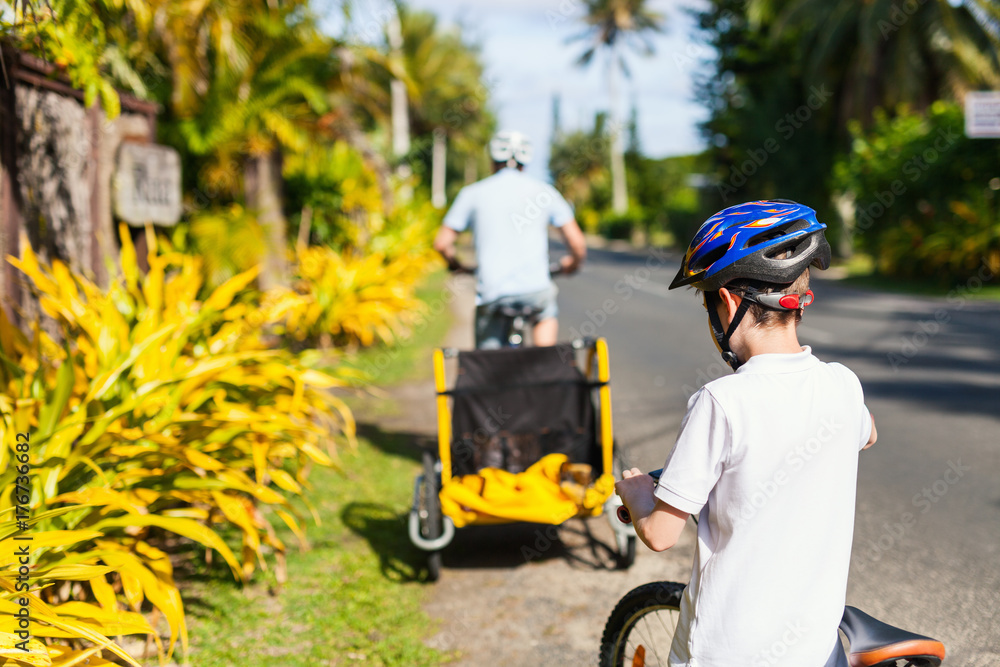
(546, 329)
(489, 329)
(546, 332)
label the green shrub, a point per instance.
(925, 195)
(620, 226)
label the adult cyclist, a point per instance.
(509, 214)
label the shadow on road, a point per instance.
(477, 547)
(517, 544)
(937, 352)
(492, 546)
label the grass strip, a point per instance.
(354, 597)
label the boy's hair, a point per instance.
(767, 317)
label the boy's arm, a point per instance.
(874, 436)
(657, 524)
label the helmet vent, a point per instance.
(769, 235)
(708, 259)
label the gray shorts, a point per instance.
(490, 324)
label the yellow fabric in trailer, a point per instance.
(536, 495)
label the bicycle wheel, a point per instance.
(430, 514)
(640, 630)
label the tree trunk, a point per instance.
(400, 112)
(262, 183)
(352, 133)
(439, 160)
(400, 119)
(471, 169)
(619, 191)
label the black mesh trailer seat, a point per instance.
(510, 407)
(524, 434)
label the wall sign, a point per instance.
(982, 114)
(147, 185)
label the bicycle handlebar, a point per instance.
(555, 269)
(622, 511)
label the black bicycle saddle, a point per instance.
(518, 310)
(878, 644)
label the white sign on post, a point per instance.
(147, 186)
(982, 115)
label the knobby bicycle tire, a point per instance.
(645, 617)
(432, 506)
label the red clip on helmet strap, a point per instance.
(784, 301)
(789, 301)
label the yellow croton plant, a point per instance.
(154, 419)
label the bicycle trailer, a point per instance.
(524, 435)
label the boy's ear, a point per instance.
(731, 301)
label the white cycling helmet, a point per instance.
(508, 146)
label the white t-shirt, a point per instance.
(769, 459)
(509, 214)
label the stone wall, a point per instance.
(57, 162)
(66, 158)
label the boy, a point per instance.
(767, 457)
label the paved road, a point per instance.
(927, 538)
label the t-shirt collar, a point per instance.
(780, 363)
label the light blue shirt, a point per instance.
(509, 214)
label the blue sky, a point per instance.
(528, 60)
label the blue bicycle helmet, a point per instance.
(745, 241)
(771, 241)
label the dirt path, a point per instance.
(525, 594)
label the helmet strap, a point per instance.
(722, 335)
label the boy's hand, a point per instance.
(656, 523)
(636, 492)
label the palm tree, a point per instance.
(578, 172)
(610, 23)
(256, 108)
(878, 54)
(397, 87)
(444, 86)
